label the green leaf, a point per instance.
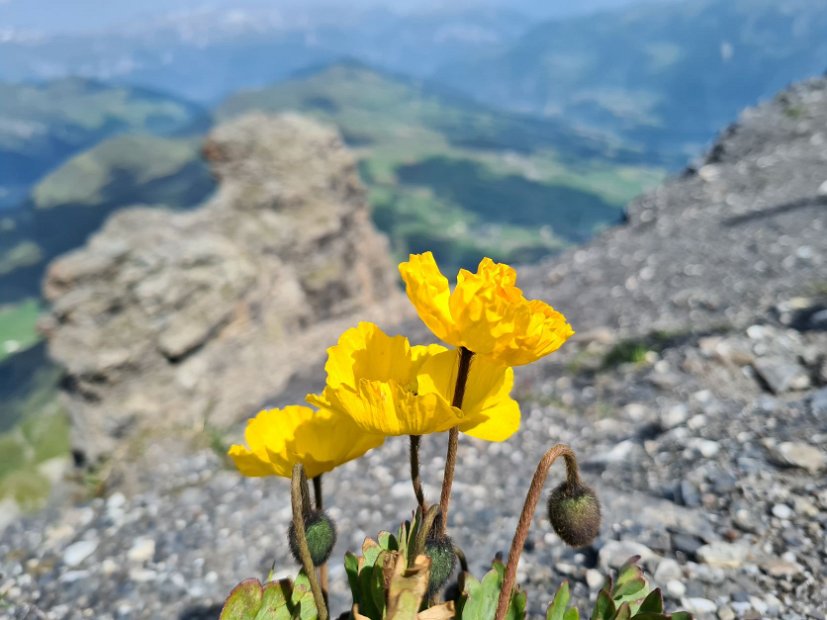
(624, 612)
(630, 590)
(571, 614)
(352, 570)
(516, 606)
(604, 607)
(481, 603)
(652, 603)
(370, 551)
(557, 609)
(244, 601)
(274, 602)
(302, 598)
(367, 606)
(388, 541)
(681, 615)
(629, 571)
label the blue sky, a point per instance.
(52, 16)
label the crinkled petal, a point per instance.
(429, 292)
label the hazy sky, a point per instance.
(78, 15)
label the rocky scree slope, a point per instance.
(169, 320)
(706, 444)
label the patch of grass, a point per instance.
(636, 350)
(36, 428)
(18, 327)
(626, 352)
(22, 254)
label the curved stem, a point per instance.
(425, 528)
(297, 488)
(317, 495)
(533, 496)
(415, 479)
(465, 357)
(317, 492)
(463, 561)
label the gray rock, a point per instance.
(667, 570)
(781, 375)
(165, 333)
(723, 555)
(818, 402)
(799, 454)
(782, 511)
(699, 605)
(77, 552)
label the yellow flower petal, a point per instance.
(430, 288)
(486, 313)
(280, 438)
(488, 410)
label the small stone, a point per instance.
(77, 552)
(780, 568)
(706, 447)
(799, 454)
(675, 588)
(723, 555)
(758, 605)
(781, 375)
(698, 605)
(615, 553)
(818, 402)
(674, 416)
(142, 550)
(804, 507)
(782, 511)
(689, 494)
(594, 579)
(687, 544)
(726, 613)
(142, 575)
(668, 570)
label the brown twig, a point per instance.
(298, 489)
(465, 357)
(533, 496)
(415, 478)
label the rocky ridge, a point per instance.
(183, 320)
(695, 394)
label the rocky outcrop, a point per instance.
(179, 320)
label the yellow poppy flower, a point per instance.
(319, 440)
(486, 312)
(388, 386)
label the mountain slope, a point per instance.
(457, 177)
(662, 75)
(41, 125)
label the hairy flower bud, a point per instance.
(574, 512)
(321, 537)
(440, 549)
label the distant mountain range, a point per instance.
(664, 75)
(667, 76)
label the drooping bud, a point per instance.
(574, 512)
(440, 549)
(321, 537)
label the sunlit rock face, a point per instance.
(174, 321)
